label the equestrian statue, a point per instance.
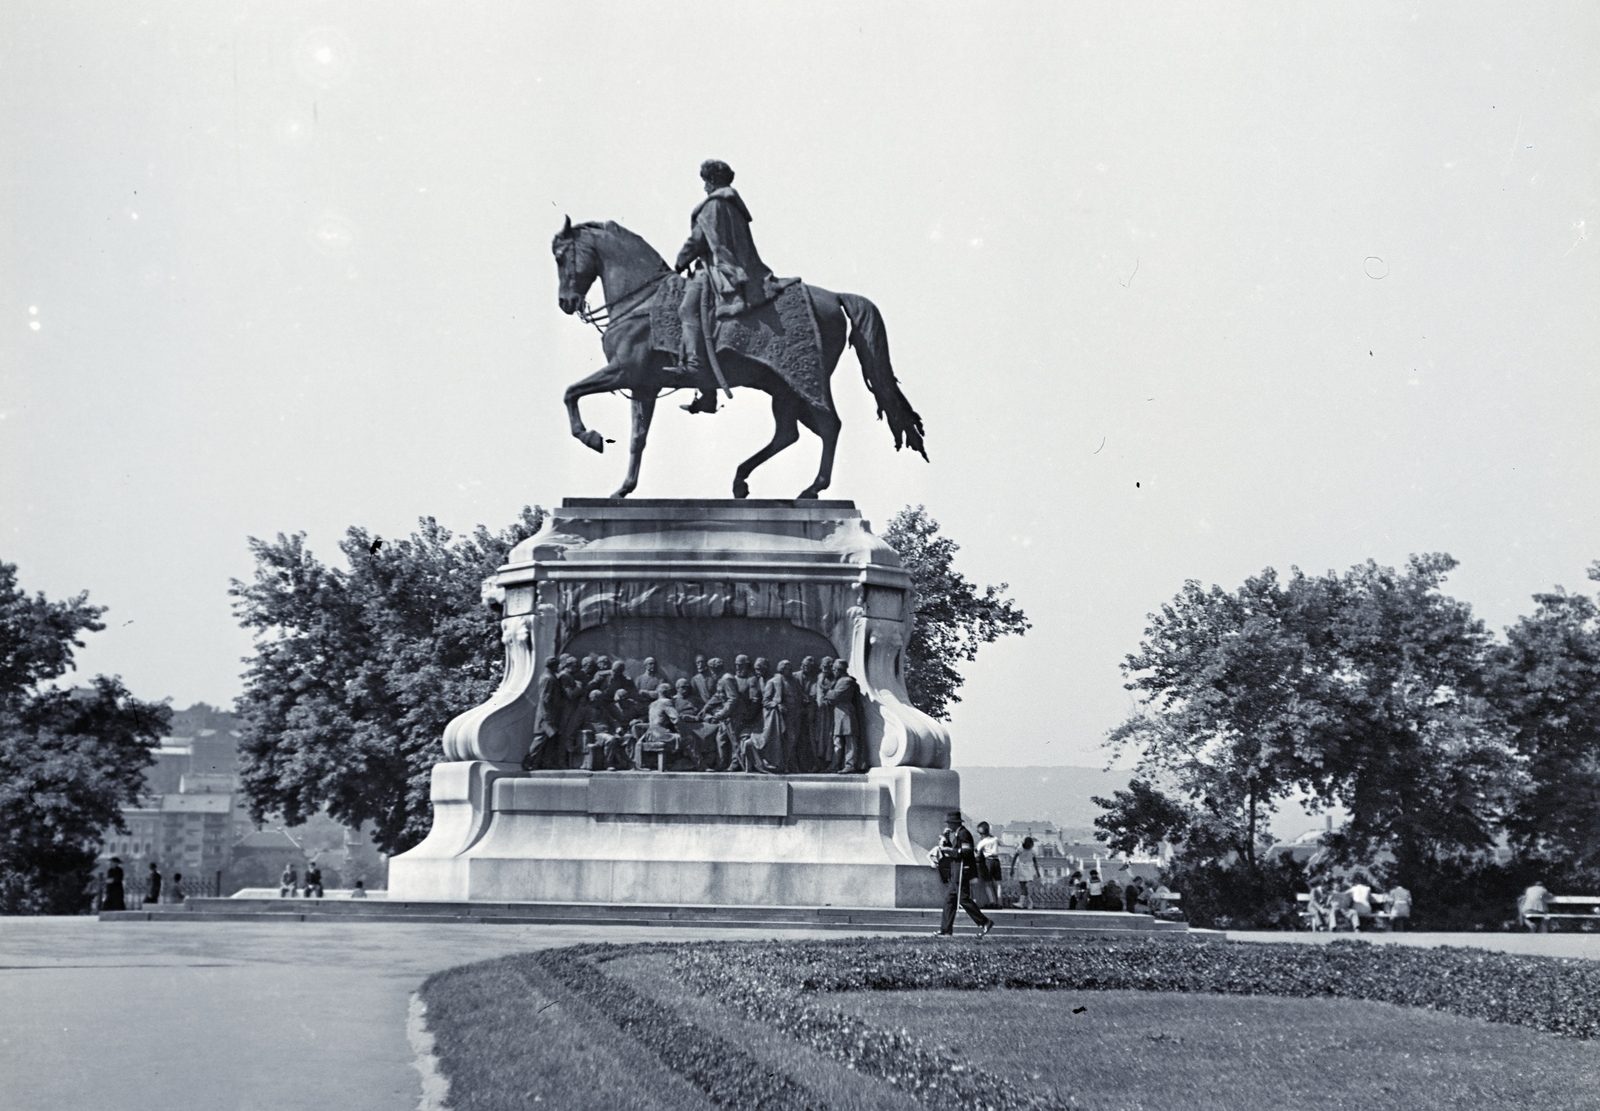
(729, 323)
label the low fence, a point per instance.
(135, 888)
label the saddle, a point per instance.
(782, 335)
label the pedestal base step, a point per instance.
(1035, 924)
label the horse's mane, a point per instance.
(632, 239)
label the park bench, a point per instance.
(1312, 920)
(1577, 908)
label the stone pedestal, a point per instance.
(672, 580)
(709, 838)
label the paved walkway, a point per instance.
(276, 1016)
(237, 1016)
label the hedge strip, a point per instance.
(935, 1075)
(1555, 995)
(727, 1074)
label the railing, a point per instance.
(135, 888)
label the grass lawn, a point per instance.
(1136, 1049)
(725, 1025)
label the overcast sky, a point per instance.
(1181, 291)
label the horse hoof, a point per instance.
(592, 439)
(741, 488)
(622, 492)
(807, 495)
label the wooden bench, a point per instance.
(1578, 908)
(1377, 900)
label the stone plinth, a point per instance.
(690, 838)
(670, 580)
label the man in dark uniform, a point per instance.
(551, 702)
(848, 753)
(114, 899)
(957, 860)
(732, 273)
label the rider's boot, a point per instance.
(695, 369)
(706, 402)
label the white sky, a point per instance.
(1181, 291)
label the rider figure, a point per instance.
(720, 239)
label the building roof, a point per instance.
(196, 804)
(274, 840)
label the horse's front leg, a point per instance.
(644, 410)
(607, 379)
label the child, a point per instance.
(1025, 870)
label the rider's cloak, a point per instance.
(720, 235)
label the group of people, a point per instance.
(114, 895)
(289, 883)
(755, 717)
(971, 867)
(1354, 904)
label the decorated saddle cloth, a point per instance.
(782, 335)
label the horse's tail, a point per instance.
(871, 341)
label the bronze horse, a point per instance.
(631, 274)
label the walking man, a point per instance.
(956, 858)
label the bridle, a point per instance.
(602, 317)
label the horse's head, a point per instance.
(577, 264)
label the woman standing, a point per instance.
(989, 865)
(114, 898)
(1025, 870)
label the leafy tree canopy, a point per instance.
(357, 670)
(1546, 683)
(37, 636)
(953, 617)
(69, 759)
(1364, 689)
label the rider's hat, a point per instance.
(715, 170)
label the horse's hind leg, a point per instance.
(825, 424)
(785, 431)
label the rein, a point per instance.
(601, 317)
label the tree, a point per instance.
(1410, 750)
(69, 759)
(953, 618)
(1141, 818)
(357, 671)
(1364, 690)
(1545, 681)
(1232, 689)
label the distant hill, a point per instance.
(1060, 794)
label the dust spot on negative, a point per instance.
(1375, 267)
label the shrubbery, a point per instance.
(1558, 996)
(1237, 898)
